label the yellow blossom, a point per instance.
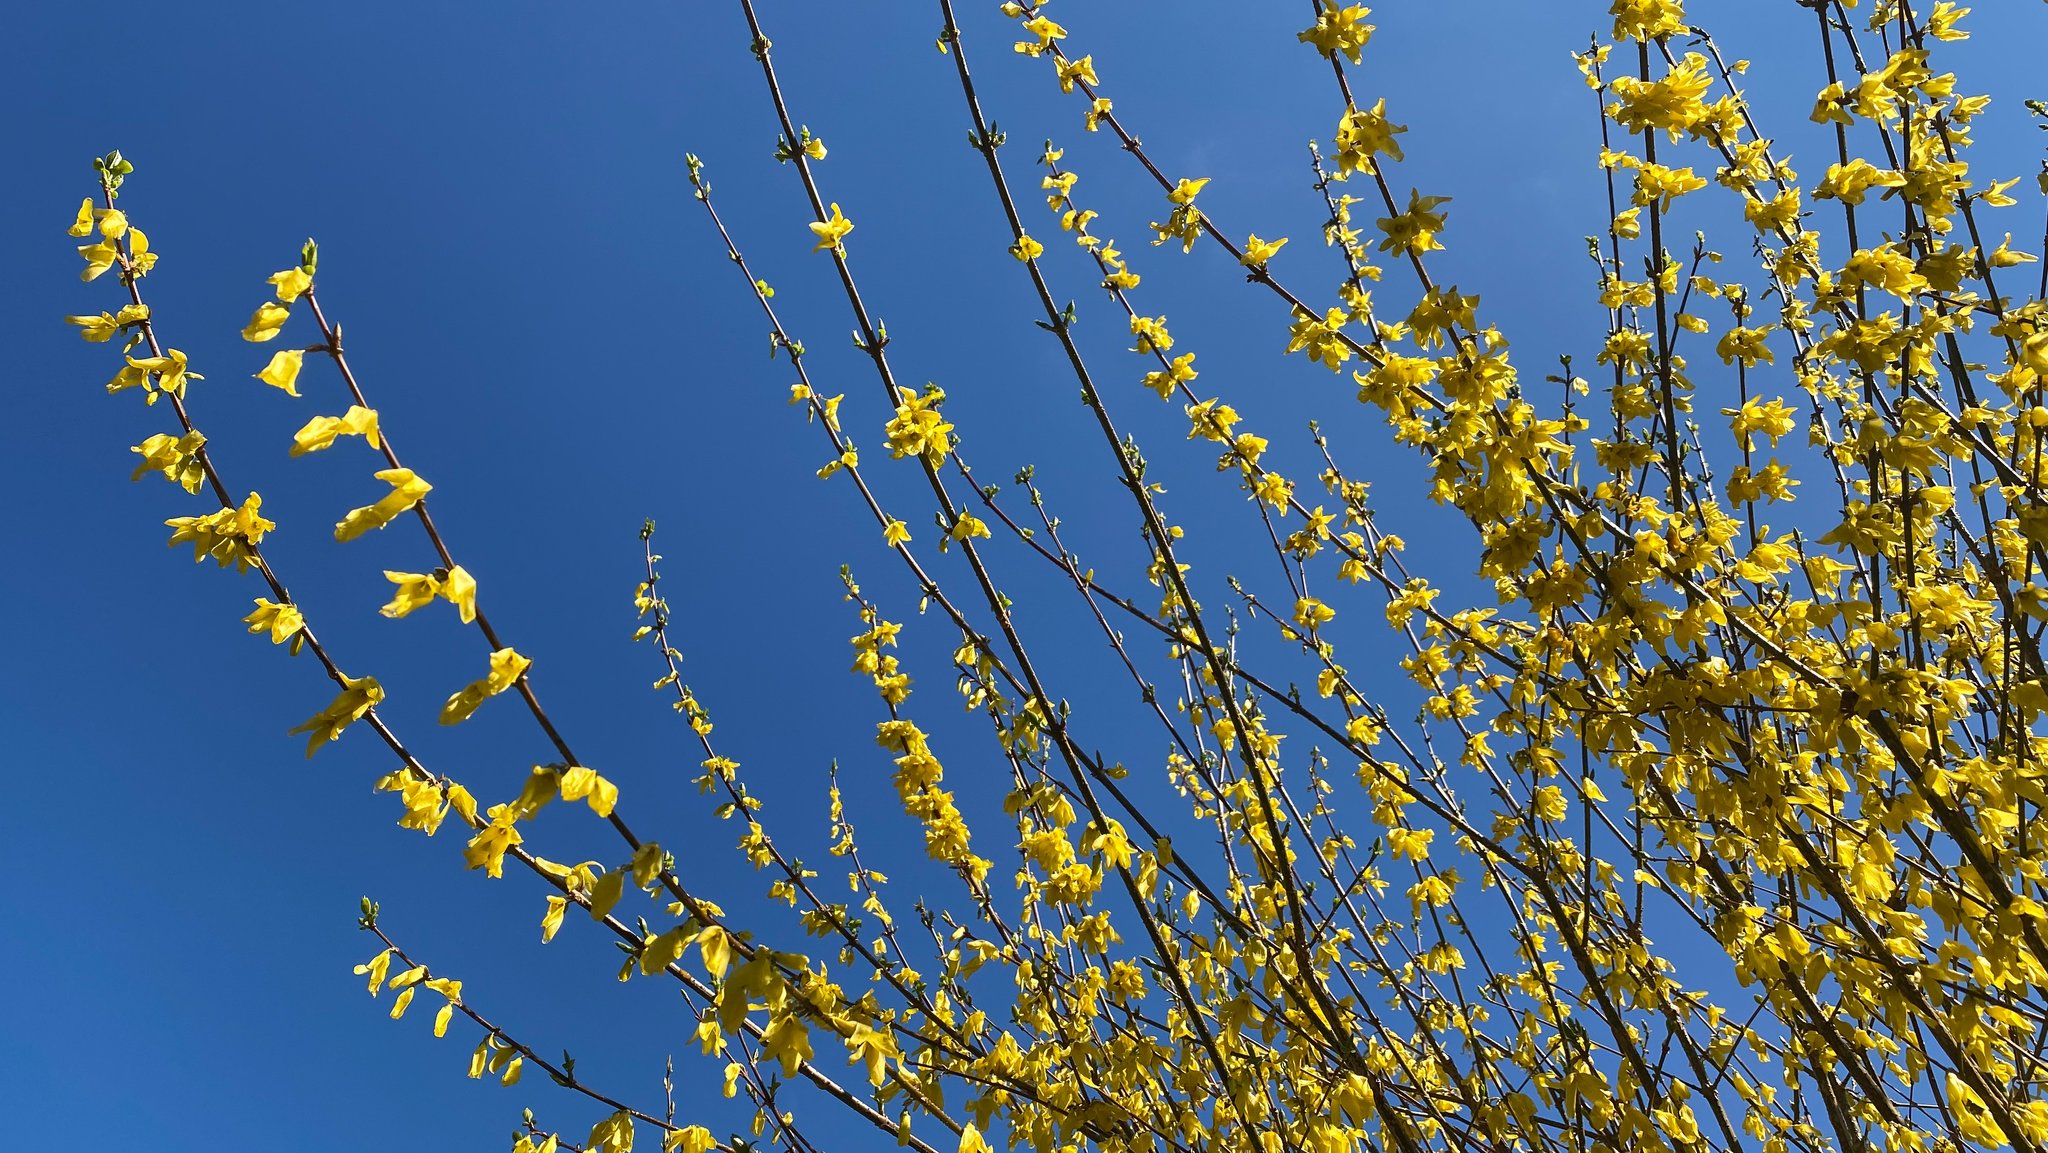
(357, 697)
(229, 536)
(579, 784)
(283, 370)
(507, 666)
(169, 370)
(267, 321)
(1364, 133)
(1178, 372)
(1077, 71)
(1339, 28)
(98, 258)
(281, 621)
(407, 490)
(176, 457)
(321, 431)
(140, 257)
(487, 847)
(831, 232)
(414, 591)
(1659, 185)
(459, 589)
(1647, 19)
(100, 329)
(1257, 252)
(291, 283)
(1044, 32)
(917, 429)
(1851, 182)
(967, 527)
(1414, 231)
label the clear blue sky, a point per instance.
(540, 314)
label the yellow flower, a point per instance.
(551, 921)
(895, 533)
(140, 257)
(407, 490)
(1339, 28)
(177, 457)
(1773, 418)
(1179, 372)
(716, 947)
(1098, 109)
(647, 864)
(918, 429)
(486, 850)
(426, 806)
(1659, 185)
(1850, 182)
(83, 225)
(100, 329)
(282, 621)
(968, 527)
(321, 431)
(1745, 344)
(1072, 71)
(133, 377)
(1410, 844)
(291, 283)
(872, 1047)
(229, 536)
(1363, 134)
(1672, 103)
(357, 697)
(1151, 333)
(507, 667)
(459, 589)
(614, 1134)
(1211, 420)
(2004, 256)
(1046, 32)
(376, 968)
(171, 373)
(1027, 248)
(415, 590)
(96, 329)
(98, 258)
(1257, 252)
(1414, 231)
(1310, 612)
(1647, 19)
(579, 783)
(268, 319)
(283, 370)
(787, 1040)
(832, 232)
(542, 784)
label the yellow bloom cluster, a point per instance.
(1490, 885)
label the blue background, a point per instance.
(553, 338)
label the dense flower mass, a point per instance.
(1674, 831)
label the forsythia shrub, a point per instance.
(1704, 835)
